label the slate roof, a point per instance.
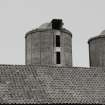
(51, 84)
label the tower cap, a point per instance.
(57, 24)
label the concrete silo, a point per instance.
(97, 50)
(50, 44)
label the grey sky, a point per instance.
(84, 18)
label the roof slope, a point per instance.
(51, 84)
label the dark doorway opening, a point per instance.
(58, 56)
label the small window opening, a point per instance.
(58, 60)
(57, 41)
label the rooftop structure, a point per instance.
(49, 76)
(50, 44)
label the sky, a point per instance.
(84, 18)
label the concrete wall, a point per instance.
(47, 53)
(97, 51)
(66, 49)
(41, 45)
(35, 48)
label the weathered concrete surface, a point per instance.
(97, 51)
(41, 44)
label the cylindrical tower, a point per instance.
(50, 44)
(97, 50)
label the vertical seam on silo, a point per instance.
(71, 53)
(52, 50)
(26, 50)
(40, 47)
(89, 56)
(102, 57)
(31, 48)
(64, 50)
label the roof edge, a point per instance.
(40, 30)
(52, 66)
(96, 37)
